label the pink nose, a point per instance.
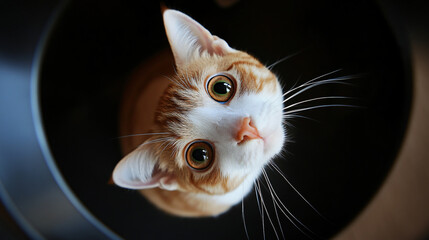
(247, 131)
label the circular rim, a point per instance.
(41, 201)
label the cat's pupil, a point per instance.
(222, 88)
(200, 155)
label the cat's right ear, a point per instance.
(138, 170)
(188, 39)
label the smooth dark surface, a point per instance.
(32, 191)
(337, 160)
(9, 229)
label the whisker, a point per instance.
(167, 145)
(274, 165)
(268, 214)
(291, 116)
(274, 202)
(282, 84)
(173, 80)
(311, 81)
(243, 216)
(264, 207)
(259, 207)
(315, 99)
(296, 82)
(307, 87)
(293, 87)
(288, 214)
(283, 59)
(157, 140)
(319, 106)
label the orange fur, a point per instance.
(170, 113)
(159, 100)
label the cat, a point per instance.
(213, 124)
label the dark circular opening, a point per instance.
(337, 157)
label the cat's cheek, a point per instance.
(252, 155)
(273, 143)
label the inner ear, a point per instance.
(188, 39)
(164, 180)
(139, 170)
(168, 182)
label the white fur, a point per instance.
(219, 123)
(212, 121)
(235, 196)
(136, 171)
(188, 38)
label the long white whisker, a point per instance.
(288, 214)
(261, 212)
(274, 165)
(268, 214)
(319, 106)
(291, 116)
(312, 85)
(274, 201)
(311, 81)
(282, 59)
(264, 207)
(292, 88)
(243, 217)
(171, 79)
(315, 99)
(156, 140)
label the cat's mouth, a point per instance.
(247, 139)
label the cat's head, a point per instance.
(220, 119)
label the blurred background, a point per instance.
(64, 64)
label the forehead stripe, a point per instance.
(255, 64)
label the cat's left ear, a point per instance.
(188, 39)
(139, 170)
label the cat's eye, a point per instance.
(221, 88)
(199, 155)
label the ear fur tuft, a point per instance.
(138, 170)
(188, 39)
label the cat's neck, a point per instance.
(182, 203)
(195, 204)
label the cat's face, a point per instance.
(221, 118)
(225, 119)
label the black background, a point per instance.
(337, 160)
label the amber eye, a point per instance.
(220, 88)
(199, 155)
